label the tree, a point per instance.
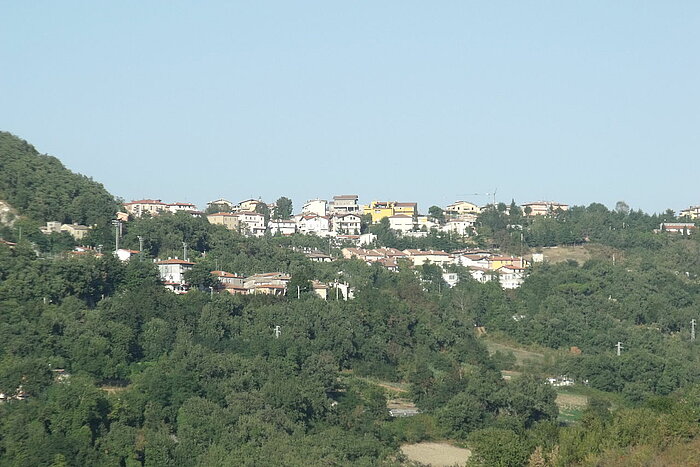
(437, 213)
(262, 208)
(283, 209)
(200, 276)
(622, 208)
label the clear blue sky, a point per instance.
(578, 102)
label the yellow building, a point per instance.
(409, 209)
(381, 209)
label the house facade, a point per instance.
(543, 208)
(420, 257)
(181, 207)
(511, 277)
(151, 207)
(172, 274)
(344, 204)
(693, 212)
(683, 228)
(347, 223)
(461, 208)
(401, 222)
(252, 222)
(314, 224)
(282, 226)
(226, 219)
(318, 207)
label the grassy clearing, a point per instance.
(436, 454)
(581, 254)
(571, 406)
(523, 357)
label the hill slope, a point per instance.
(41, 188)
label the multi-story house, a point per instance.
(221, 204)
(314, 224)
(511, 277)
(409, 209)
(543, 208)
(460, 208)
(282, 226)
(381, 209)
(693, 212)
(251, 222)
(248, 205)
(172, 273)
(227, 219)
(401, 222)
(152, 207)
(315, 206)
(347, 223)
(459, 226)
(185, 207)
(420, 257)
(344, 204)
(271, 283)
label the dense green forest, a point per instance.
(42, 189)
(113, 369)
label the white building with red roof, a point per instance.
(314, 224)
(172, 273)
(181, 207)
(140, 207)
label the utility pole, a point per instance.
(140, 246)
(117, 229)
(619, 348)
(298, 292)
(278, 331)
(692, 329)
(184, 251)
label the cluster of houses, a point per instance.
(19, 395)
(342, 215)
(154, 207)
(77, 231)
(341, 218)
(172, 272)
(483, 266)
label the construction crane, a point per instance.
(495, 190)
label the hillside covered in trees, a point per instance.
(100, 365)
(42, 189)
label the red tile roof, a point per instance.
(146, 201)
(174, 261)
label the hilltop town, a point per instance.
(347, 225)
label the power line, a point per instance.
(619, 348)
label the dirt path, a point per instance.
(436, 454)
